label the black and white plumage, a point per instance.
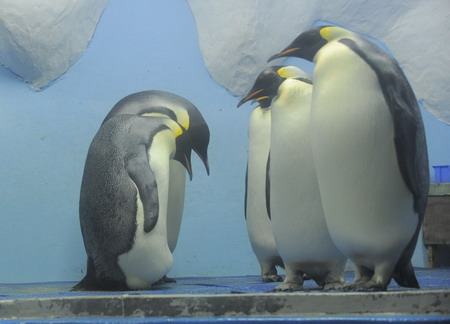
(370, 153)
(297, 219)
(157, 102)
(259, 226)
(123, 201)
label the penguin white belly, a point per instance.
(298, 221)
(177, 181)
(258, 223)
(150, 258)
(368, 208)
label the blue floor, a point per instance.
(430, 280)
(438, 278)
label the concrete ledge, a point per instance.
(267, 304)
(244, 297)
(439, 189)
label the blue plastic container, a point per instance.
(441, 173)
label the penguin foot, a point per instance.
(334, 285)
(289, 286)
(356, 284)
(352, 285)
(168, 280)
(164, 280)
(365, 286)
(374, 286)
(271, 278)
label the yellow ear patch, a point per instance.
(177, 130)
(184, 120)
(182, 117)
(290, 72)
(325, 32)
(332, 32)
(154, 114)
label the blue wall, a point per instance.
(45, 135)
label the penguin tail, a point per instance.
(85, 284)
(91, 282)
(406, 277)
(88, 282)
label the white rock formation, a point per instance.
(237, 37)
(41, 39)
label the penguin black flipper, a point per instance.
(268, 187)
(409, 140)
(408, 127)
(405, 276)
(413, 163)
(144, 179)
(90, 282)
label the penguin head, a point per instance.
(267, 84)
(308, 43)
(192, 122)
(190, 118)
(183, 145)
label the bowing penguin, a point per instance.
(124, 201)
(156, 102)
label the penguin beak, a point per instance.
(187, 164)
(200, 139)
(250, 96)
(285, 52)
(263, 101)
(204, 158)
(259, 99)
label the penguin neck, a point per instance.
(259, 114)
(259, 122)
(292, 96)
(160, 153)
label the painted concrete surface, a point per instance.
(220, 297)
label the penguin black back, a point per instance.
(108, 197)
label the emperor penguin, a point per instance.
(297, 218)
(258, 223)
(157, 102)
(370, 153)
(124, 199)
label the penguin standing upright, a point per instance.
(258, 223)
(298, 222)
(370, 153)
(123, 201)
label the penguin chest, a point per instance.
(297, 217)
(150, 258)
(175, 206)
(258, 223)
(366, 202)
